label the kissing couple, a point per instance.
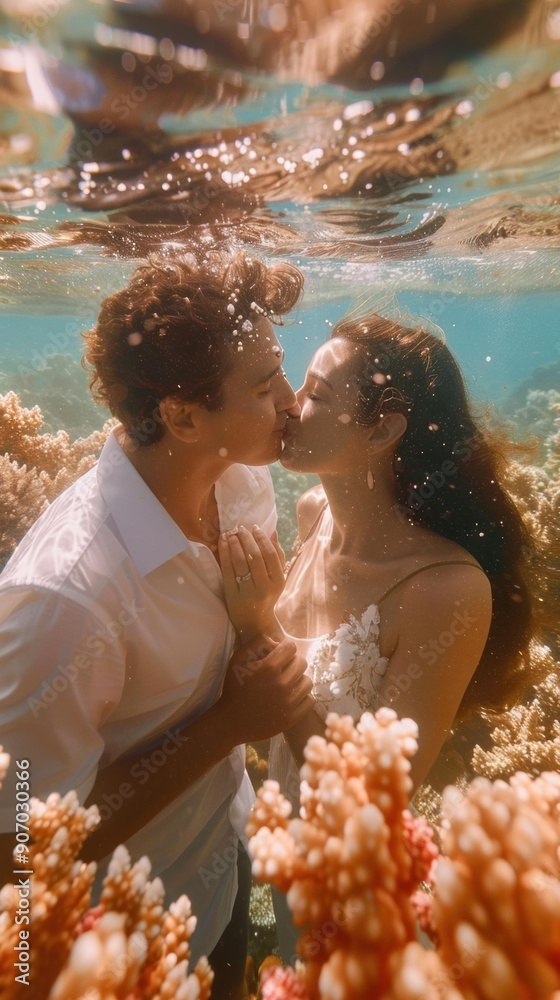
(157, 582)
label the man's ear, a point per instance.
(388, 430)
(181, 418)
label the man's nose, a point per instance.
(289, 401)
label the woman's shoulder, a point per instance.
(440, 578)
(309, 507)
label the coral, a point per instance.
(352, 861)
(527, 737)
(257, 766)
(537, 494)
(283, 984)
(36, 467)
(354, 857)
(22, 500)
(497, 896)
(58, 385)
(125, 948)
(60, 891)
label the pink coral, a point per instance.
(497, 898)
(351, 861)
(283, 984)
(356, 853)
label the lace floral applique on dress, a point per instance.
(346, 667)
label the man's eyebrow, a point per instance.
(321, 378)
(265, 378)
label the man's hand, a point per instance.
(265, 689)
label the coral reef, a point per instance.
(125, 948)
(537, 495)
(527, 737)
(35, 467)
(351, 865)
(57, 384)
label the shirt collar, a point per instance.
(150, 534)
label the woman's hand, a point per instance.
(253, 571)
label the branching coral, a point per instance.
(537, 495)
(527, 737)
(125, 948)
(35, 467)
(352, 860)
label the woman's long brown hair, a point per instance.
(450, 475)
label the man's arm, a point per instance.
(265, 690)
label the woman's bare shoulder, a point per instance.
(308, 507)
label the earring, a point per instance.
(370, 479)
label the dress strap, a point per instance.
(290, 564)
(420, 569)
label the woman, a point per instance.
(408, 585)
(411, 523)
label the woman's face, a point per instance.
(325, 438)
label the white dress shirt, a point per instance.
(113, 628)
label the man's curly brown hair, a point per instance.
(174, 330)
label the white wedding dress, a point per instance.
(346, 669)
(345, 666)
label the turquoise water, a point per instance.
(499, 340)
(472, 249)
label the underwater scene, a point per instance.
(385, 173)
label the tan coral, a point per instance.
(350, 862)
(35, 468)
(126, 948)
(527, 737)
(497, 897)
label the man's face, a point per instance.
(256, 401)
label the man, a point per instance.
(116, 670)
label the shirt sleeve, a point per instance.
(56, 690)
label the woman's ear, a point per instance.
(181, 418)
(388, 430)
